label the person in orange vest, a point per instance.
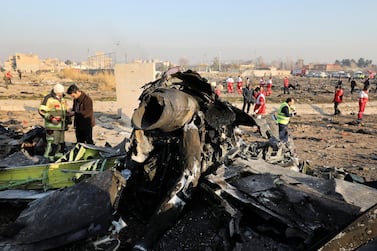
(269, 87)
(363, 100)
(338, 98)
(260, 103)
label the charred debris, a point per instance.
(186, 179)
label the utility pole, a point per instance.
(219, 60)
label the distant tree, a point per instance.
(346, 62)
(361, 63)
(68, 62)
(216, 64)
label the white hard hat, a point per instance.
(58, 88)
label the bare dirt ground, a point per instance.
(321, 139)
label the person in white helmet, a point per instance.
(53, 110)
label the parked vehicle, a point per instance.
(358, 75)
(340, 74)
(323, 74)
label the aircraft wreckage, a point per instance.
(186, 179)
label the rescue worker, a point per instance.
(338, 98)
(285, 112)
(269, 87)
(239, 85)
(8, 79)
(260, 103)
(286, 85)
(229, 83)
(363, 100)
(261, 83)
(53, 109)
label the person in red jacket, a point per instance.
(286, 85)
(338, 98)
(363, 100)
(260, 103)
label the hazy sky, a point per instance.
(316, 31)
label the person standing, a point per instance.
(8, 79)
(260, 103)
(261, 83)
(366, 84)
(19, 74)
(353, 85)
(285, 112)
(82, 110)
(239, 85)
(248, 98)
(340, 82)
(230, 82)
(247, 82)
(286, 85)
(53, 110)
(269, 87)
(363, 100)
(338, 98)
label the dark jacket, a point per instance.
(248, 95)
(83, 108)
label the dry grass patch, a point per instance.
(105, 81)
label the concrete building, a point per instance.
(25, 62)
(101, 61)
(129, 79)
(325, 67)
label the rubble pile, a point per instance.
(191, 180)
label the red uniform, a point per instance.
(230, 83)
(363, 99)
(286, 82)
(269, 87)
(338, 96)
(286, 85)
(261, 83)
(239, 85)
(260, 104)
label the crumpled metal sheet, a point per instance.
(64, 216)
